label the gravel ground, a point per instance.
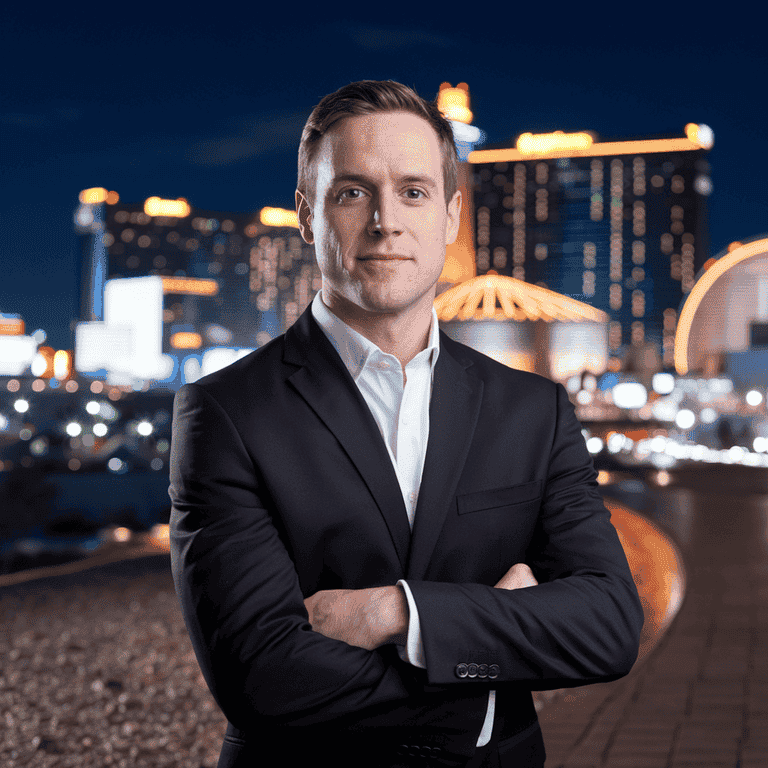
(97, 669)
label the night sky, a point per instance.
(208, 102)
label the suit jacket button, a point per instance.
(493, 671)
(482, 670)
(472, 670)
(461, 670)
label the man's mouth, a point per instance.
(384, 257)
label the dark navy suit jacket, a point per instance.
(281, 486)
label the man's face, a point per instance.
(380, 223)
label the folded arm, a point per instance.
(239, 589)
(580, 624)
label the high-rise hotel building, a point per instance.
(229, 280)
(619, 225)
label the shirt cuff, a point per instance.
(413, 652)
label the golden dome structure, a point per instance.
(564, 337)
(518, 300)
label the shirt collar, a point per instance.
(354, 348)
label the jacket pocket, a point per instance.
(500, 497)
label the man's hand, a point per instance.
(367, 618)
(517, 577)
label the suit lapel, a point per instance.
(324, 382)
(453, 413)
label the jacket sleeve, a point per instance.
(239, 590)
(580, 625)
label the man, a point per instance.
(382, 540)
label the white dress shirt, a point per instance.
(402, 414)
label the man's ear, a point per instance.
(304, 213)
(454, 218)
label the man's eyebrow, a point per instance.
(427, 181)
(349, 177)
(409, 179)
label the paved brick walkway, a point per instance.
(701, 697)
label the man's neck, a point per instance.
(401, 334)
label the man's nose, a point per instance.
(385, 219)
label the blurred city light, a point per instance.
(685, 419)
(117, 465)
(454, 102)
(99, 429)
(156, 206)
(186, 340)
(753, 397)
(62, 364)
(93, 196)
(121, 534)
(144, 428)
(594, 445)
(194, 286)
(702, 135)
(663, 383)
(159, 535)
(21, 405)
(279, 217)
(630, 394)
(73, 429)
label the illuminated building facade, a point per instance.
(229, 280)
(621, 226)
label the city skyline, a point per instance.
(225, 135)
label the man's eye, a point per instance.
(351, 194)
(414, 194)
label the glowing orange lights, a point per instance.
(96, 195)
(62, 364)
(42, 367)
(279, 217)
(156, 206)
(93, 196)
(190, 285)
(734, 256)
(519, 301)
(551, 143)
(11, 326)
(160, 537)
(559, 144)
(121, 534)
(700, 134)
(185, 340)
(454, 102)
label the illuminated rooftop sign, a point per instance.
(558, 144)
(546, 143)
(279, 217)
(454, 102)
(11, 326)
(156, 206)
(191, 285)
